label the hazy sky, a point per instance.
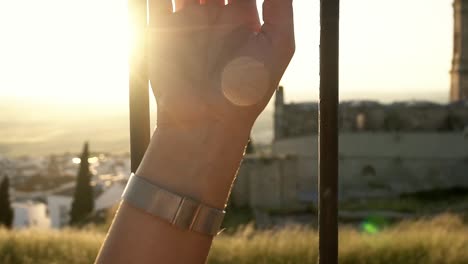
(74, 51)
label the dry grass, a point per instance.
(52, 247)
(441, 240)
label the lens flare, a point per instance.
(373, 224)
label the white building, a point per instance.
(30, 214)
(59, 210)
(60, 203)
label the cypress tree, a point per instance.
(6, 212)
(83, 199)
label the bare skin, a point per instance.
(213, 69)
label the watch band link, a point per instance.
(182, 212)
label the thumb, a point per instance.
(278, 22)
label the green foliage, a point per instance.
(442, 240)
(236, 218)
(83, 199)
(393, 122)
(6, 212)
(423, 202)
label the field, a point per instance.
(441, 240)
(57, 129)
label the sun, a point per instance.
(63, 50)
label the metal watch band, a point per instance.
(182, 212)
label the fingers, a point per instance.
(214, 2)
(245, 12)
(277, 11)
(278, 18)
(158, 10)
(191, 2)
(179, 4)
(241, 1)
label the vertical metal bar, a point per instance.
(328, 132)
(138, 83)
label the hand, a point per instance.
(213, 63)
(213, 69)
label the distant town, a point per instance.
(42, 187)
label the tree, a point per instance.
(6, 212)
(83, 199)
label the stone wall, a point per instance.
(267, 182)
(386, 164)
(371, 165)
(296, 120)
(385, 150)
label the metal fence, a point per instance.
(328, 115)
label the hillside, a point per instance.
(46, 129)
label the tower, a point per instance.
(459, 73)
(278, 116)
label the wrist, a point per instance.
(198, 161)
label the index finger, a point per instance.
(278, 19)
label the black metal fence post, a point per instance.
(328, 132)
(138, 83)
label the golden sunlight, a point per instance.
(75, 51)
(67, 50)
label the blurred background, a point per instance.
(68, 59)
(403, 118)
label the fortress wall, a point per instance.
(371, 165)
(267, 183)
(377, 177)
(295, 120)
(432, 145)
(240, 195)
(386, 164)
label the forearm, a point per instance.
(199, 162)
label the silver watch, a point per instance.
(183, 212)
